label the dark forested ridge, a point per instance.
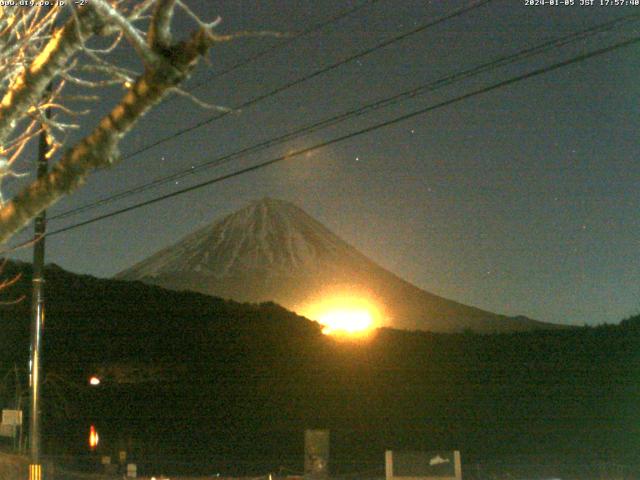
(194, 378)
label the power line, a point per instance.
(445, 81)
(288, 41)
(356, 133)
(281, 44)
(248, 103)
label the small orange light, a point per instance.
(94, 381)
(94, 438)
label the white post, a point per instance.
(388, 464)
(457, 464)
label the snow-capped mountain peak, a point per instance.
(273, 250)
(269, 237)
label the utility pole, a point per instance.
(37, 317)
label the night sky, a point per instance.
(523, 200)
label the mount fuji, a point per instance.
(271, 250)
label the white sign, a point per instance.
(443, 465)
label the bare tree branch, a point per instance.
(100, 148)
(200, 103)
(160, 28)
(29, 87)
(132, 34)
(33, 56)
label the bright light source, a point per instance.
(353, 314)
(349, 320)
(94, 381)
(94, 438)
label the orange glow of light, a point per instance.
(94, 381)
(348, 315)
(348, 321)
(94, 438)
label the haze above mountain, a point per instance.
(272, 250)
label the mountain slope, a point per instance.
(273, 250)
